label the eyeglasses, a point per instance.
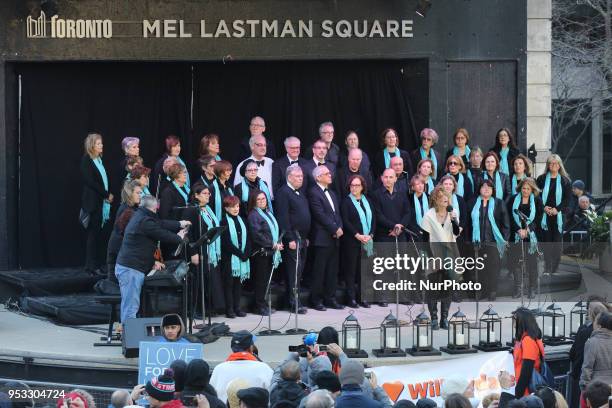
(260, 144)
(355, 185)
(453, 163)
(257, 125)
(252, 170)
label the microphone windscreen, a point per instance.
(449, 208)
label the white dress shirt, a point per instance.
(263, 172)
(326, 192)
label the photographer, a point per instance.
(197, 377)
(290, 388)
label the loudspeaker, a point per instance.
(137, 330)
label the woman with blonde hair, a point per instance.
(455, 166)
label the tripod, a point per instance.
(296, 291)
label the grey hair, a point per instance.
(128, 141)
(430, 132)
(149, 202)
(290, 371)
(252, 140)
(128, 190)
(257, 117)
(356, 149)
(322, 125)
(294, 168)
(119, 399)
(319, 399)
(316, 172)
(584, 198)
(292, 139)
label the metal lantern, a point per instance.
(390, 338)
(351, 337)
(458, 335)
(490, 332)
(422, 336)
(577, 317)
(553, 326)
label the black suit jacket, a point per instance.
(325, 221)
(292, 213)
(342, 176)
(379, 162)
(309, 181)
(261, 234)
(352, 222)
(94, 192)
(278, 171)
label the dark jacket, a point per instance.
(224, 192)
(366, 164)
(512, 153)
(292, 212)
(352, 222)
(416, 158)
(390, 209)
(352, 396)
(94, 192)
(424, 235)
(259, 230)
(379, 162)
(227, 248)
(309, 181)
(550, 202)
(325, 221)
(524, 208)
(343, 175)
(468, 193)
(124, 213)
(169, 199)
(278, 171)
(158, 175)
(502, 220)
(576, 353)
(140, 239)
(288, 391)
(476, 179)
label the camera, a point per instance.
(188, 400)
(322, 347)
(302, 350)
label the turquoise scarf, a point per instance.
(204, 180)
(420, 210)
(240, 269)
(388, 156)
(105, 204)
(467, 152)
(558, 194)
(471, 178)
(217, 158)
(499, 190)
(433, 159)
(211, 220)
(185, 166)
(145, 191)
(533, 241)
(499, 238)
(430, 185)
(262, 186)
(515, 182)
(180, 190)
(269, 217)
(456, 206)
(366, 221)
(460, 184)
(218, 203)
(503, 155)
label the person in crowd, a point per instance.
(73, 399)
(547, 395)
(352, 168)
(521, 168)
(359, 221)
(233, 387)
(461, 148)
(584, 217)
(442, 228)
(176, 194)
(264, 163)
(235, 253)
(319, 154)
(325, 233)
(524, 231)
(597, 394)
(352, 395)
(392, 210)
(429, 138)
(457, 401)
(293, 149)
(265, 234)
(528, 350)
(197, 381)
(490, 399)
(456, 168)
(173, 329)
(290, 387)
(474, 171)
(459, 384)
(293, 215)
(314, 363)
(160, 391)
(141, 174)
(250, 183)
(419, 201)
(404, 404)
(351, 141)
(402, 178)
(332, 152)
(319, 399)
(173, 149)
(178, 367)
(130, 199)
(597, 364)
(163, 180)
(390, 143)
(220, 187)
(210, 146)
(257, 126)
(501, 181)
(555, 187)
(490, 229)
(120, 399)
(242, 363)
(254, 397)
(506, 150)
(328, 336)
(135, 258)
(206, 164)
(96, 198)
(449, 184)
(425, 172)
(327, 380)
(578, 190)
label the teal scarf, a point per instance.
(105, 204)
(145, 191)
(515, 182)
(217, 158)
(433, 159)
(180, 190)
(533, 241)
(420, 210)
(499, 238)
(467, 152)
(499, 190)
(388, 156)
(460, 184)
(185, 166)
(262, 186)
(218, 203)
(558, 194)
(503, 164)
(366, 221)
(430, 185)
(240, 269)
(269, 217)
(204, 180)
(211, 221)
(456, 206)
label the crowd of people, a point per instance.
(321, 214)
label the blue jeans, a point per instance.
(130, 283)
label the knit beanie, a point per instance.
(453, 385)
(162, 387)
(327, 380)
(351, 373)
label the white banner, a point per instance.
(424, 380)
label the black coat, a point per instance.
(278, 171)
(287, 390)
(292, 211)
(116, 236)
(505, 181)
(94, 192)
(524, 208)
(512, 153)
(366, 164)
(468, 193)
(224, 192)
(565, 195)
(325, 221)
(352, 222)
(169, 199)
(416, 158)
(576, 353)
(476, 179)
(344, 174)
(379, 162)
(413, 220)
(140, 239)
(502, 220)
(259, 230)
(309, 181)
(227, 248)
(158, 176)
(390, 209)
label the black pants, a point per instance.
(515, 257)
(489, 276)
(262, 265)
(213, 289)
(551, 239)
(351, 266)
(290, 257)
(232, 288)
(433, 296)
(324, 278)
(94, 232)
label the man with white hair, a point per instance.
(257, 126)
(258, 147)
(293, 149)
(326, 134)
(319, 399)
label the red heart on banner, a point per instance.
(393, 389)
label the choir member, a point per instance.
(173, 149)
(293, 149)
(235, 252)
(402, 180)
(359, 221)
(131, 148)
(522, 168)
(250, 182)
(425, 172)
(556, 190)
(490, 230)
(141, 175)
(130, 163)
(523, 234)
(96, 198)
(429, 138)
(258, 146)
(382, 160)
(393, 212)
(220, 187)
(419, 200)
(319, 153)
(173, 199)
(265, 233)
(293, 215)
(326, 134)
(442, 232)
(209, 145)
(351, 141)
(257, 127)
(163, 180)
(325, 234)
(490, 171)
(353, 167)
(206, 164)
(449, 184)
(506, 150)
(455, 166)
(461, 147)
(474, 172)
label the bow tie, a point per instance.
(291, 162)
(260, 163)
(325, 190)
(320, 164)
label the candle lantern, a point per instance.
(351, 337)
(552, 324)
(390, 338)
(490, 332)
(577, 317)
(422, 337)
(458, 335)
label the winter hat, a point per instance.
(162, 387)
(327, 380)
(244, 166)
(351, 373)
(242, 340)
(453, 385)
(531, 401)
(426, 403)
(579, 184)
(171, 320)
(197, 375)
(320, 363)
(404, 404)
(254, 397)
(179, 368)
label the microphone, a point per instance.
(190, 205)
(449, 209)
(408, 230)
(521, 215)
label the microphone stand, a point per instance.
(269, 331)
(296, 292)
(476, 323)
(523, 261)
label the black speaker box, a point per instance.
(137, 330)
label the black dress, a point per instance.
(224, 191)
(232, 285)
(262, 243)
(170, 199)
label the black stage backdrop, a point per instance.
(61, 103)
